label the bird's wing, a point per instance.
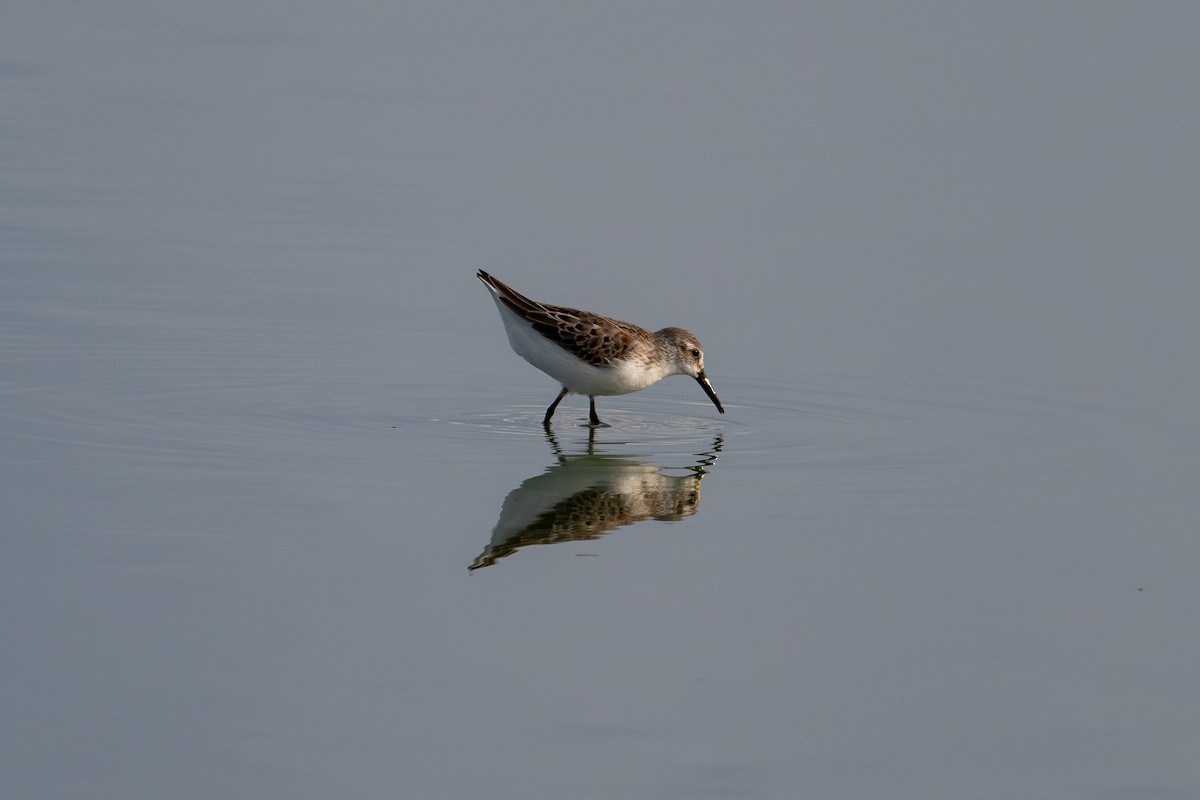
(596, 339)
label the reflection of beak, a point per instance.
(702, 379)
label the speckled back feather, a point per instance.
(595, 339)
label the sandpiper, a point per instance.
(592, 354)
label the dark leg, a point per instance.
(593, 419)
(554, 405)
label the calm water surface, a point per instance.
(280, 518)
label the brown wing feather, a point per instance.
(596, 339)
(510, 296)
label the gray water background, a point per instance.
(257, 417)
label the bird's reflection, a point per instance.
(585, 495)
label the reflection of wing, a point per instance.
(584, 498)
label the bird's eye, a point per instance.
(695, 353)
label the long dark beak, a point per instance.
(702, 379)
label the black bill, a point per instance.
(702, 379)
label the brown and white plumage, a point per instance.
(593, 354)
